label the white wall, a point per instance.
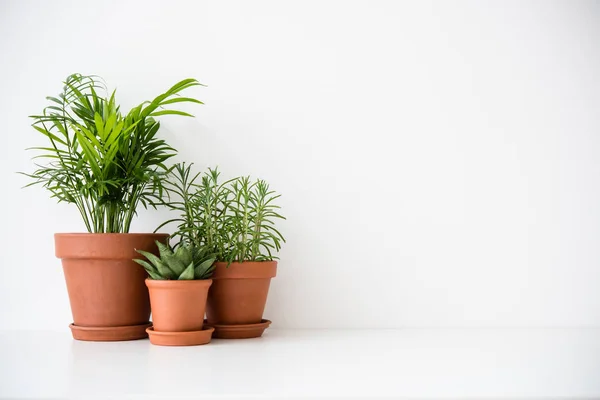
(438, 161)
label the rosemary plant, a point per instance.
(99, 159)
(249, 221)
(199, 200)
(235, 219)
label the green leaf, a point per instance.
(50, 135)
(181, 100)
(188, 273)
(166, 223)
(163, 249)
(204, 270)
(114, 134)
(183, 84)
(161, 268)
(110, 123)
(167, 256)
(170, 112)
(91, 137)
(99, 125)
(155, 275)
(149, 269)
(54, 99)
(49, 149)
(89, 153)
(184, 254)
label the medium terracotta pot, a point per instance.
(178, 306)
(239, 292)
(108, 297)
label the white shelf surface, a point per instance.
(320, 364)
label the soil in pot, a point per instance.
(109, 300)
(239, 292)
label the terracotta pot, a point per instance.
(178, 306)
(239, 292)
(106, 288)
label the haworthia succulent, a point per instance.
(187, 262)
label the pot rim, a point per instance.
(176, 283)
(130, 234)
(245, 270)
(105, 246)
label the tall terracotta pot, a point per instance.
(239, 292)
(109, 300)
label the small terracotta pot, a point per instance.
(239, 292)
(106, 288)
(178, 306)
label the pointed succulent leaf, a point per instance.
(163, 249)
(201, 253)
(170, 259)
(204, 270)
(166, 272)
(175, 264)
(147, 266)
(147, 254)
(162, 269)
(184, 254)
(188, 273)
(155, 276)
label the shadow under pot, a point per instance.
(237, 298)
(107, 290)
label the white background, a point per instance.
(438, 161)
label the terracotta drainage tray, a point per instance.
(109, 333)
(245, 331)
(191, 338)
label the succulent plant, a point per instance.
(185, 262)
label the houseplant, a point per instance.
(236, 219)
(106, 163)
(178, 283)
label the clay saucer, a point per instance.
(109, 333)
(192, 338)
(245, 331)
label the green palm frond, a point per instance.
(103, 161)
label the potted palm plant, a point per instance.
(178, 283)
(236, 219)
(106, 163)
